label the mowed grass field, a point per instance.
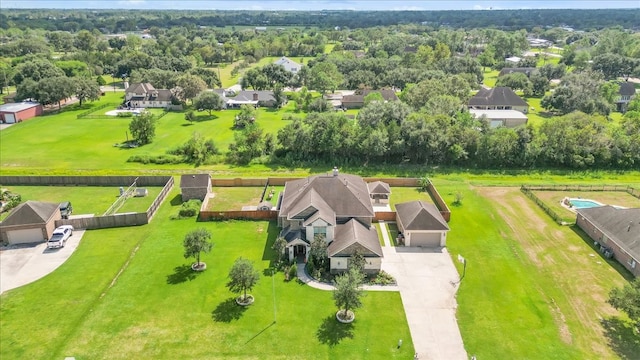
(533, 289)
(129, 293)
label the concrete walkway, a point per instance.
(385, 233)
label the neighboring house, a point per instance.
(288, 64)
(144, 95)
(356, 100)
(614, 230)
(498, 98)
(9, 98)
(524, 70)
(537, 42)
(379, 192)
(247, 97)
(336, 207)
(514, 60)
(195, 186)
(30, 222)
(625, 94)
(421, 224)
(496, 118)
(17, 112)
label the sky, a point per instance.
(320, 4)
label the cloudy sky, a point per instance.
(319, 4)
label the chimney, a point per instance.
(629, 227)
(255, 96)
(335, 171)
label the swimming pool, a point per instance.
(584, 203)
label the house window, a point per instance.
(632, 263)
(320, 230)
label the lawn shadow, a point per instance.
(272, 234)
(332, 332)
(227, 311)
(200, 118)
(181, 274)
(260, 332)
(621, 338)
(612, 262)
(177, 200)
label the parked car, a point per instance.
(66, 209)
(60, 236)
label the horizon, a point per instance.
(317, 5)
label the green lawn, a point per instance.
(86, 199)
(490, 77)
(404, 194)
(528, 278)
(554, 198)
(234, 198)
(157, 308)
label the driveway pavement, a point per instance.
(425, 277)
(21, 265)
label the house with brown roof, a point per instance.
(144, 95)
(498, 98)
(421, 224)
(195, 186)
(615, 231)
(336, 207)
(30, 222)
(626, 92)
(356, 100)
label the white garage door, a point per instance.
(9, 118)
(425, 239)
(25, 236)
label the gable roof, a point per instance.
(31, 212)
(194, 181)
(245, 95)
(626, 88)
(140, 88)
(622, 226)
(358, 97)
(355, 233)
(501, 95)
(287, 63)
(344, 195)
(525, 70)
(379, 187)
(419, 215)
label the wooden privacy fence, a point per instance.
(101, 222)
(622, 188)
(238, 214)
(385, 216)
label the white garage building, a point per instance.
(421, 224)
(29, 222)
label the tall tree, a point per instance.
(196, 242)
(54, 90)
(325, 76)
(209, 101)
(627, 299)
(242, 277)
(189, 86)
(143, 128)
(86, 89)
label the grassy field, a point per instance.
(528, 278)
(128, 293)
(86, 199)
(554, 198)
(404, 194)
(234, 198)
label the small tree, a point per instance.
(196, 242)
(143, 128)
(348, 292)
(458, 197)
(357, 261)
(208, 101)
(318, 251)
(278, 246)
(247, 116)
(242, 277)
(627, 299)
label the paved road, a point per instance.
(21, 265)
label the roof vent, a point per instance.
(335, 171)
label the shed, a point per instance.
(17, 112)
(195, 186)
(421, 224)
(30, 222)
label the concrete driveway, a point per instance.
(21, 265)
(424, 277)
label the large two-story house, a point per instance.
(336, 207)
(144, 95)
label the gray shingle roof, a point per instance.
(31, 212)
(419, 215)
(355, 233)
(525, 70)
(499, 96)
(345, 195)
(379, 187)
(194, 181)
(627, 88)
(622, 226)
